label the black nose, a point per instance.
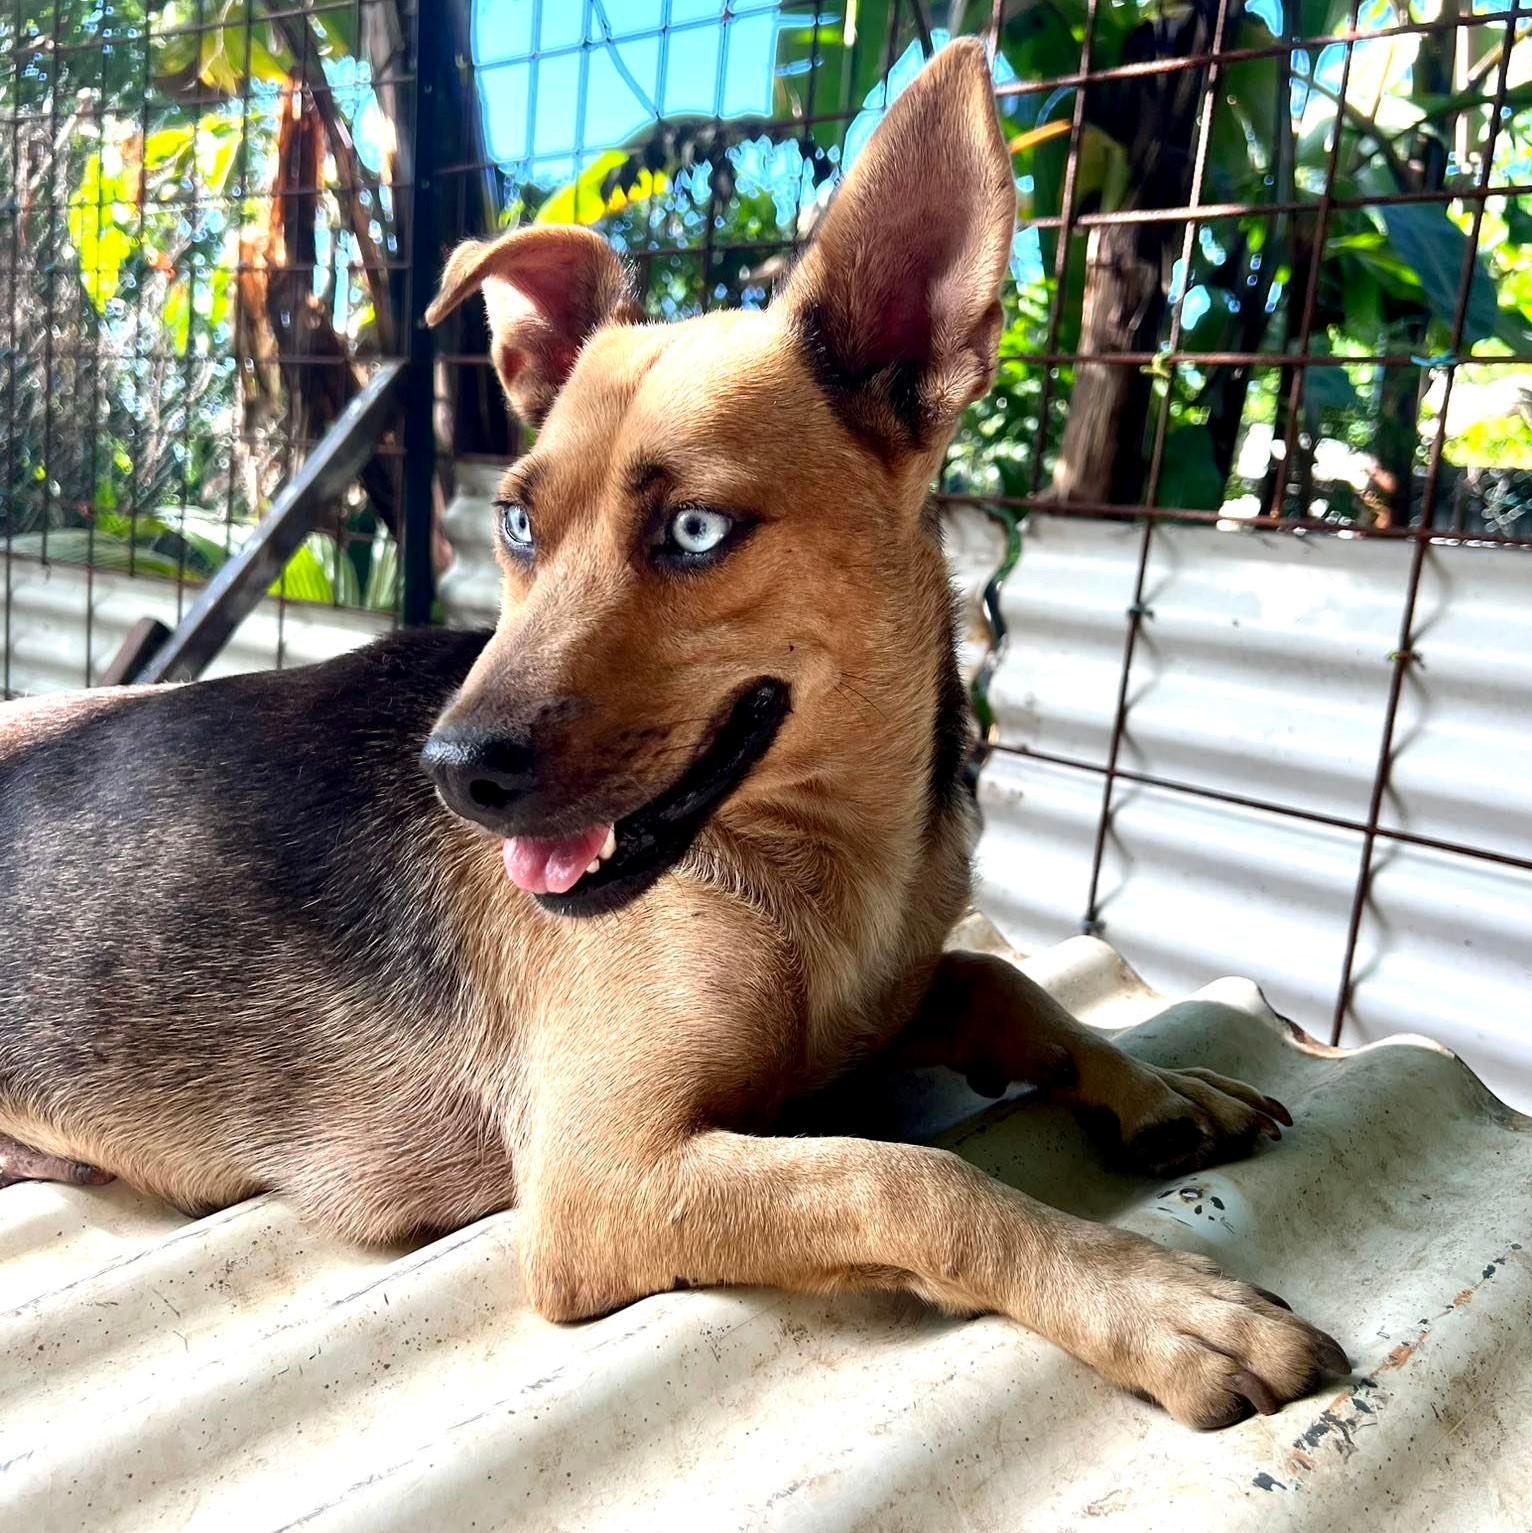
(481, 775)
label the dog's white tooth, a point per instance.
(594, 867)
(609, 845)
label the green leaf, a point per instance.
(1514, 329)
(335, 26)
(1240, 149)
(166, 146)
(247, 55)
(217, 144)
(797, 55)
(176, 316)
(1329, 388)
(1189, 477)
(588, 200)
(382, 575)
(174, 44)
(1102, 167)
(1516, 97)
(76, 545)
(194, 536)
(1518, 222)
(1040, 44)
(216, 67)
(1435, 249)
(1362, 299)
(305, 577)
(1323, 18)
(217, 294)
(342, 572)
(101, 244)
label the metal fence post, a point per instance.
(419, 479)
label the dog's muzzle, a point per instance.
(491, 779)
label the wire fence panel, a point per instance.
(1273, 274)
(201, 210)
(1279, 240)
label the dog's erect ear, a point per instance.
(546, 289)
(896, 299)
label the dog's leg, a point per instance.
(985, 1018)
(20, 1163)
(608, 1220)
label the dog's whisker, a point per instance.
(844, 686)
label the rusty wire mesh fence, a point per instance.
(1273, 269)
(205, 215)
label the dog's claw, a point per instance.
(1256, 1391)
(1189, 1119)
(1332, 1355)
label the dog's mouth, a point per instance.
(603, 867)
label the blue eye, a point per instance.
(516, 528)
(695, 530)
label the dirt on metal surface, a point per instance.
(239, 1372)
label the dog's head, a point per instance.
(721, 586)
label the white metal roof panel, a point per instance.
(1262, 671)
(239, 1372)
(50, 629)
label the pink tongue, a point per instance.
(553, 866)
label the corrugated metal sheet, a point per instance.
(49, 603)
(1262, 671)
(238, 1372)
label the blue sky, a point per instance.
(699, 67)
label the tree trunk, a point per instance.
(1399, 434)
(1229, 388)
(1154, 117)
(1283, 472)
(1102, 456)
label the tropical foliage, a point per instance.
(1378, 278)
(196, 280)
(199, 204)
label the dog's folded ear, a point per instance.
(546, 289)
(896, 300)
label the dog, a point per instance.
(565, 916)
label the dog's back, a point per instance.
(208, 892)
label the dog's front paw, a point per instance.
(1173, 1121)
(1209, 1349)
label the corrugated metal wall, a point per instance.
(1262, 672)
(55, 647)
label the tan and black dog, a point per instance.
(691, 833)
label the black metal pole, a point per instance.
(419, 487)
